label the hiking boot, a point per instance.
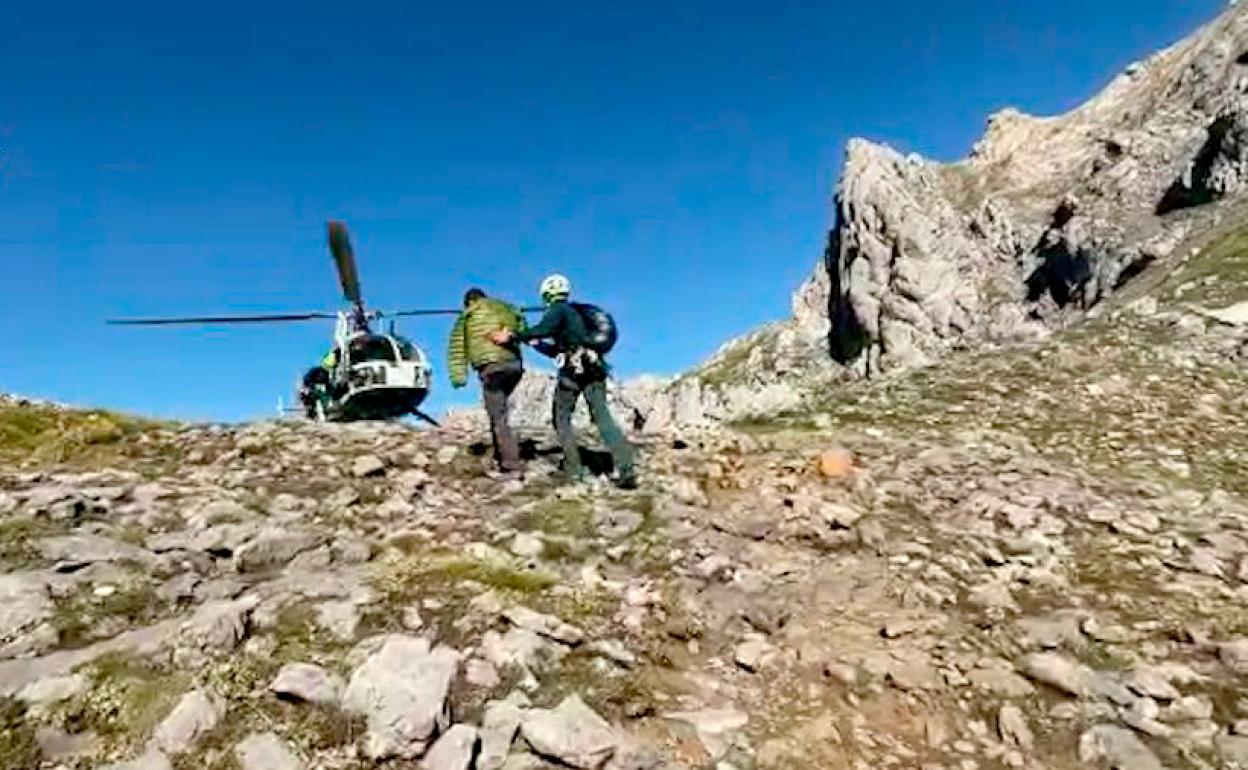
(569, 478)
(627, 479)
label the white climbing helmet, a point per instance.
(555, 287)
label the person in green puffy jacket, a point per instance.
(500, 367)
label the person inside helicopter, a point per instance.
(372, 347)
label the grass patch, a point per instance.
(568, 518)
(728, 367)
(1216, 277)
(33, 435)
(590, 610)
(452, 580)
(243, 681)
(18, 748)
(498, 575)
(77, 614)
(128, 699)
(135, 534)
(18, 538)
(612, 692)
(559, 549)
(300, 638)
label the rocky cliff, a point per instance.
(1045, 220)
(1047, 217)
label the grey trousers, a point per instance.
(498, 382)
(593, 386)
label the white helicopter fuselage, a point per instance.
(376, 376)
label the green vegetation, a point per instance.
(129, 697)
(1107, 397)
(18, 539)
(453, 580)
(76, 615)
(559, 549)
(590, 610)
(32, 435)
(568, 518)
(493, 574)
(243, 680)
(298, 637)
(611, 691)
(1218, 276)
(18, 748)
(729, 367)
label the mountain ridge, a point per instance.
(1043, 220)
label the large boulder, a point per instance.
(73, 551)
(572, 734)
(402, 692)
(307, 683)
(196, 715)
(455, 750)
(219, 626)
(273, 548)
(24, 603)
(499, 727)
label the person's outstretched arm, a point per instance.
(457, 353)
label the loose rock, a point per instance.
(571, 733)
(454, 750)
(265, 751)
(196, 715)
(368, 465)
(402, 691)
(1117, 749)
(307, 683)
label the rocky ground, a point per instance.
(1031, 554)
(1029, 557)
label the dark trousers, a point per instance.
(593, 385)
(498, 382)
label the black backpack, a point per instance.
(600, 327)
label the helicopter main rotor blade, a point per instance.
(410, 313)
(344, 259)
(436, 312)
(229, 319)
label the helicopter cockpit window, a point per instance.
(372, 349)
(407, 351)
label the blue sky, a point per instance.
(676, 159)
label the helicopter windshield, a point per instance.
(407, 351)
(372, 349)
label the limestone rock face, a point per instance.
(1047, 215)
(1045, 219)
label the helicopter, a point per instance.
(368, 375)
